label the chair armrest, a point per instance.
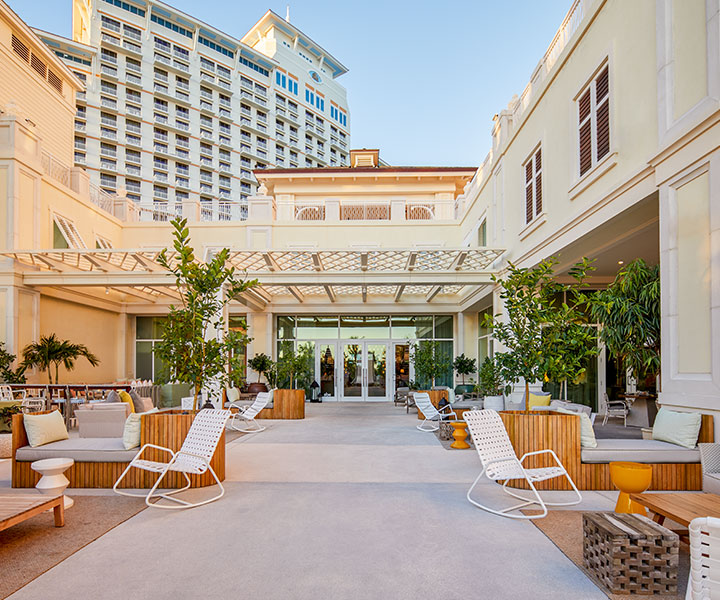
(155, 447)
(537, 452)
(447, 406)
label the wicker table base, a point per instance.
(630, 554)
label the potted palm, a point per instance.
(464, 366)
(260, 363)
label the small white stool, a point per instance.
(53, 482)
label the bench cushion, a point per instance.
(79, 449)
(641, 451)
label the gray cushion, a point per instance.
(642, 451)
(112, 396)
(137, 402)
(80, 449)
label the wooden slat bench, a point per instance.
(165, 428)
(561, 432)
(16, 508)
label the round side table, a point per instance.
(460, 435)
(630, 478)
(53, 482)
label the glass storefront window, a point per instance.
(444, 327)
(408, 327)
(365, 327)
(143, 360)
(317, 327)
(286, 328)
(149, 328)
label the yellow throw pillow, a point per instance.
(43, 429)
(125, 397)
(538, 400)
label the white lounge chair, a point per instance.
(500, 463)
(245, 416)
(193, 457)
(432, 415)
(704, 577)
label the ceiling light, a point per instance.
(107, 290)
(621, 262)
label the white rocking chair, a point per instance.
(432, 415)
(245, 416)
(193, 457)
(500, 463)
(704, 576)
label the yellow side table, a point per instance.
(630, 478)
(460, 434)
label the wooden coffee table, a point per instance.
(15, 508)
(681, 507)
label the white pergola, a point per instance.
(417, 273)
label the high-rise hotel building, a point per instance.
(178, 113)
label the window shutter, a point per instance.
(529, 191)
(20, 49)
(602, 120)
(585, 132)
(538, 182)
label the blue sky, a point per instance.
(425, 77)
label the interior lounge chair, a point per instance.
(193, 457)
(432, 415)
(500, 463)
(244, 419)
(616, 408)
(704, 576)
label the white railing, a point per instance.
(309, 212)
(423, 211)
(365, 212)
(55, 169)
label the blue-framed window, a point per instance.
(171, 26)
(217, 47)
(247, 63)
(127, 6)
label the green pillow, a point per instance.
(680, 428)
(587, 433)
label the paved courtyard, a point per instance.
(351, 503)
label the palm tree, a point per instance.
(51, 351)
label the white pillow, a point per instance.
(587, 433)
(43, 429)
(131, 432)
(680, 428)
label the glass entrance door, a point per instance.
(325, 356)
(365, 370)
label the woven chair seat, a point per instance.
(184, 464)
(511, 470)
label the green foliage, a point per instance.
(260, 363)
(429, 361)
(545, 332)
(51, 351)
(192, 355)
(7, 412)
(490, 379)
(7, 373)
(629, 311)
(464, 366)
(295, 368)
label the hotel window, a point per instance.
(485, 342)
(594, 121)
(65, 234)
(482, 234)
(532, 170)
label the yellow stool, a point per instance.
(460, 435)
(630, 478)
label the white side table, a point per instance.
(53, 482)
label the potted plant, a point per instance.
(629, 311)
(429, 362)
(535, 316)
(294, 372)
(8, 374)
(195, 345)
(490, 385)
(260, 363)
(464, 366)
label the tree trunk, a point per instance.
(527, 397)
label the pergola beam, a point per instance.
(317, 262)
(434, 291)
(363, 290)
(330, 292)
(399, 292)
(299, 296)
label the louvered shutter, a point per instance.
(538, 182)
(584, 120)
(602, 119)
(529, 191)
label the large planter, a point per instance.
(257, 388)
(435, 397)
(464, 388)
(287, 404)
